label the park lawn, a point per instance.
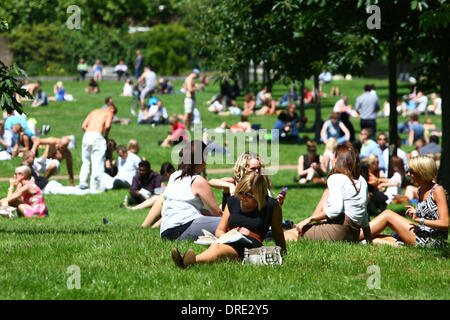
(123, 261)
(66, 118)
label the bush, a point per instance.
(47, 49)
(165, 48)
(38, 49)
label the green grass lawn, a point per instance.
(123, 261)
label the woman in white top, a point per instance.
(328, 155)
(341, 212)
(183, 216)
(397, 180)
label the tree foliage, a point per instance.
(9, 86)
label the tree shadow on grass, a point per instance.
(54, 231)
(302, 186)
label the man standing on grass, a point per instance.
(56, 150)
(149, 79)
(367, 106)
(189, 101)
(96, 126)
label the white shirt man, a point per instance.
(128, 165)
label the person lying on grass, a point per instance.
(25, 195)
(430, 215)
(341, 212)
(251, 212)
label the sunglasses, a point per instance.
(411, 171)
(246, 194)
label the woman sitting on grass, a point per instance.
(431, 213)
(341, 212)
(310, 165)
(252, 212)
(396, 182)
(246, 162)
(27, 197)
(183, 216)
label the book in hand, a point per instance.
(231, 236)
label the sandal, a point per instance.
(188, 258)
(177, 258)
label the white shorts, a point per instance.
(41, 165)
(189, 105)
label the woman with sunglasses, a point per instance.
(430, 215)
(246, 162)
(251, 211)
(25, 195)
(341, 212)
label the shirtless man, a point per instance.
(56, 150)
(96, 126)
(189, 102)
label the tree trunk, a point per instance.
(318, 121)
(302, 103)
(393, 131)
(268, 80)
(444, 169)
(255, 78)
(291, 93)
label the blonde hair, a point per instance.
(242, 163)
(25, 170)
(133, 146)
(257, 184)
(331, 145)
(425, 167)
(173, 118)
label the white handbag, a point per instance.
(263, 256)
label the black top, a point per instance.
(256, 221)
(152, 182)
(307, 162)
(285, 117)
(41, 182)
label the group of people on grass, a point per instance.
(249, 207)
(356, 173)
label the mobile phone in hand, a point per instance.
(283, 192)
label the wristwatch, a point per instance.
(422, 221)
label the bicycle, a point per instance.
(135, 104)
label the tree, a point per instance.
(434, 22)
(9, 86)
(293, 39)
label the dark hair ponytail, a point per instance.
(347, 163)
(192, 154)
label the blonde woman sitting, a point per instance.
(328, 155)
(25, 195)
(430, 221)
(252, 212)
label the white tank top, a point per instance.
(180, 204)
